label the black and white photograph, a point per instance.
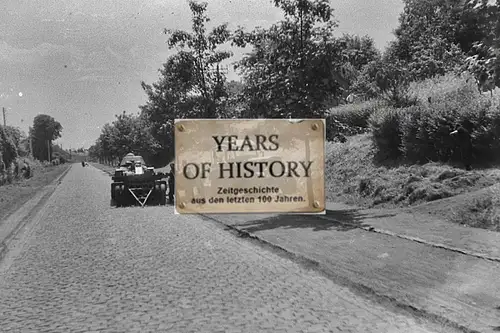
(250, 166)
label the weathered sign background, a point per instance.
(249, 166)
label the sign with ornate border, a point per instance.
(249, 166)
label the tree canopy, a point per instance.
(45, 130)
(300, 67)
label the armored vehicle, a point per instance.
(136, 183)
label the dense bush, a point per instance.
(8, 149)
(486, 136)
(28, 167)
(386, 132)
(425, 134)
(350, 119)
(421, 133)
(438, 86)
(15, 164)
(20, 168)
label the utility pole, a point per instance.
(30, 134)
(4, 120)
(48, 149)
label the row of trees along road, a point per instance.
(298, 68)
(15, 144)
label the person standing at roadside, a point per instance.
(171, 182)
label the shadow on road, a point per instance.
(339, 220)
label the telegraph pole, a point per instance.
(4, 120)
(30, 134)
(48, 149)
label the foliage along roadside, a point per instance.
(354, 177)
(421, 133)
(15, 194)
(274, 85)
(280, 74)
(388, 166)
(16, 160)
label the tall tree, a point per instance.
(191, 83)
(477, 23)
(497, 47)
(356, 53)
(168, 99)
(45, 130)
(202, 57)
(95, 151)
(433, 36)
(8, 148)
(19, 139)
(127, 133)
(293, 70)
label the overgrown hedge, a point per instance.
(421, 133)
(14, 164)
(21, 168)
(8, 149)
(350, 119)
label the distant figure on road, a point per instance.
(464, 135)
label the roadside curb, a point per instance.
(19, 225)
(358, 288)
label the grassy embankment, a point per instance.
(383, 167)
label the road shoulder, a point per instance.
(423, 228)
(26, 206)
(437, 283)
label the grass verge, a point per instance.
(14, 195)
(353, 177)
(480, 211)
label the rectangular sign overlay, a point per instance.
(249, 166)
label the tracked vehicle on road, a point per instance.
(134, 183)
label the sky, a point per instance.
(82, 61)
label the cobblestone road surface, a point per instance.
(86, 267)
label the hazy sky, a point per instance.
(82, 61)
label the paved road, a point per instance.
(84, 266)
